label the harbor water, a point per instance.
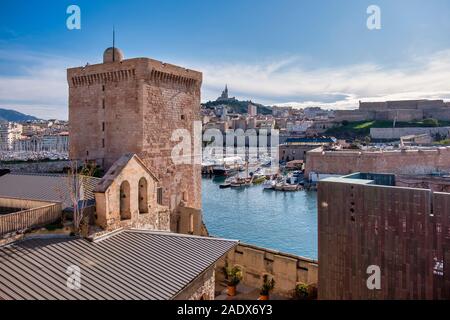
(283, 221)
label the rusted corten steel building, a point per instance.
(365, 220)
(135, 105)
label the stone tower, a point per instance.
(133, 106)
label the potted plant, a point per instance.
(268, 285)
(233, 276)
(301, 291)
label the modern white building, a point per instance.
(52, 143)
(252, 110)
(299, 126)
(9, 133)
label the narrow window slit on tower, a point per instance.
(159, 195)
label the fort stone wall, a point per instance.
(418, 161)
(397, 133)
(287, 270)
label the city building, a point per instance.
(58, 143)
(313, 113)
(125, 106)
(239, 123)
(319, 127)
(252, 110)
(266, 124)
(416, 140)
(32, 129)
(381, 241)
(9, 133)
(281, 112)
(296, 148)
(298, 126)
(224, 113)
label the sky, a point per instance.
(277, 52)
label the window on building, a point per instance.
(103, 126)
(125, 212)
(87, 153)
(143, 196)
(159, 196)
(103, 88)
(103, 104)
(103, 143)
(183, 117)
(191, 223)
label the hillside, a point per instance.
(14, 116)
(237, 106)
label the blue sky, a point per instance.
(287, 52)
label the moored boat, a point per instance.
(241, 182)
(269, 184)
(290, 187)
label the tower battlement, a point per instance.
(133, 106)
(131, 69)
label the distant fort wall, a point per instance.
(419, 161)
(404, 111)
(397, 133)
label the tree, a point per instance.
(75, 182)
(431, 122)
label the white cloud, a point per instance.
(40, 88)
(288, 82)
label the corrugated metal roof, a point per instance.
(43, 187)
(128, 265)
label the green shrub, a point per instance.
(233, 275)
(268, 285)
(301, 291)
